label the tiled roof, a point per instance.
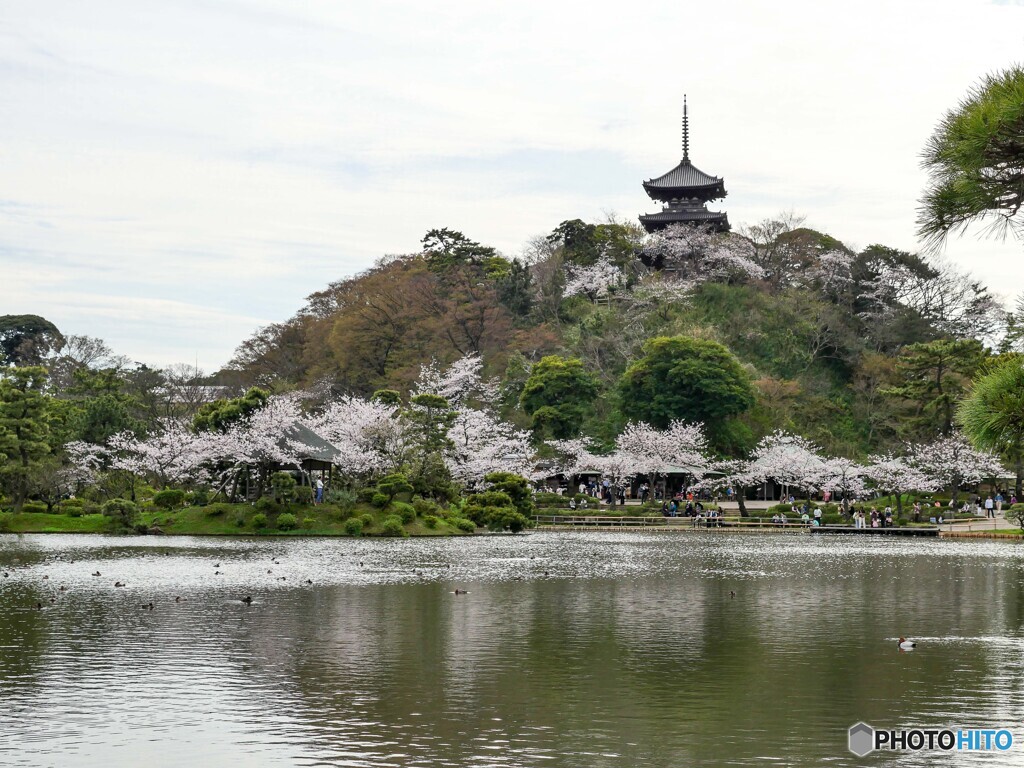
(683, 175)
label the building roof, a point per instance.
(314, 447)
(684, 176)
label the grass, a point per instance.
(221, 520)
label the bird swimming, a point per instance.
(905, 644)
(247, 600)
(118, 584)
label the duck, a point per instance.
(118, 584)
(216, 565)
(461, 592)
(309, 581)
(906, 645)
(732, 593)
(177, 599)
(247, 600)
(148, 606)
(97, 573)
(39, 606)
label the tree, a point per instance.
(992, 416)
(222, 414)
(932, 377)
(789, 460)
(895, 475)
(651, 449)
(976, 161)
(684, 378)
(557, 395)
(27, 339)
(23, 428)
(953, 462)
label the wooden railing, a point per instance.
(659, 521)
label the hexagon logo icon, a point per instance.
(862, 739)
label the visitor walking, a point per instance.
(319, 490)
(990, 506)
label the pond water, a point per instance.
(569, 649)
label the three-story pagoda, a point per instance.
(685, 192)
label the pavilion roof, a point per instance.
(684, 176)
(314, 447)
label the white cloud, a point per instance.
(220, 160)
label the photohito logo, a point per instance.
(864, 739)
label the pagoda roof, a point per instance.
(684, 176)
(683, 216)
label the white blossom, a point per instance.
(593, 281)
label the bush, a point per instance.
(506, 518)
(283, 485)
(240, 519)
(354, 526)
(91, 508)
(200, 497)
(259, 520)
(267, 506)
(33, 507)
(405, 511)
(309, 522)
(169, 498)
(5, 522)
(392, 526)
(425, 507)
(75, 510)
(380, 500)
(286, 522)
(219, 508)
(76, 502)
(366, 520)
(430, 521)
(366, 494)
(303, 495)
(122, 512)
(464, 525)
(343, 498)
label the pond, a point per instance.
(568, 649)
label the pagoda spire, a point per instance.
(686, 131)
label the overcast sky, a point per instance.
(175, 174)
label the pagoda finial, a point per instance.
(686, 132)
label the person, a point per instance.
(319, 490)
(999, 501)
(729, 492)
(622, 497)
(572, 504)
(888, 517)
(817, 514)
(583, 487)
(583, 503)
(990, 506)
(917, 511)
(805, 518)
(643, 493)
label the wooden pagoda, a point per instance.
(685, 192)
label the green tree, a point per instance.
(681, 377)
(24, 431)
(976, 161)
(556, 396)
(992, 415)
(221, 414)
(932, 377)
(431, 417)
(27, 339)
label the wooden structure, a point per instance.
(685, 192)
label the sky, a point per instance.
(175, 174)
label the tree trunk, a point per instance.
(1019, 469)
(899, 504)
(741, 491)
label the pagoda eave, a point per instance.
(667, 194)
(717, 221)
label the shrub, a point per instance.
(122, 512)
(74, 511)
(5, 522)
(91, 508)
(219, 508)
(505, 518)
(76, 502)
(464, 525)
(283, 485)
(405, 511)
(392, 526)
(169, 498)
(240, 519)
(425, 506)
(345, 499)
(394, 484)
(366, 494)
(380, 500)
(354, 526)
(309, 522)
(267, 506)
(303, 495)
(259, 520)
(34, 507)
(367, 521)
(286, 522)
(430, 521)
(200, 497)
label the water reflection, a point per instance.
(634, 650)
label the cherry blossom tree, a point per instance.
(954, 462)
(699, 255)
(896, 475)
(371, 437)
(460, 383)
(844, 478)
(789, 460)
(650, 449)
(482, 443)
(593, 281)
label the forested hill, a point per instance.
(856, 351)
